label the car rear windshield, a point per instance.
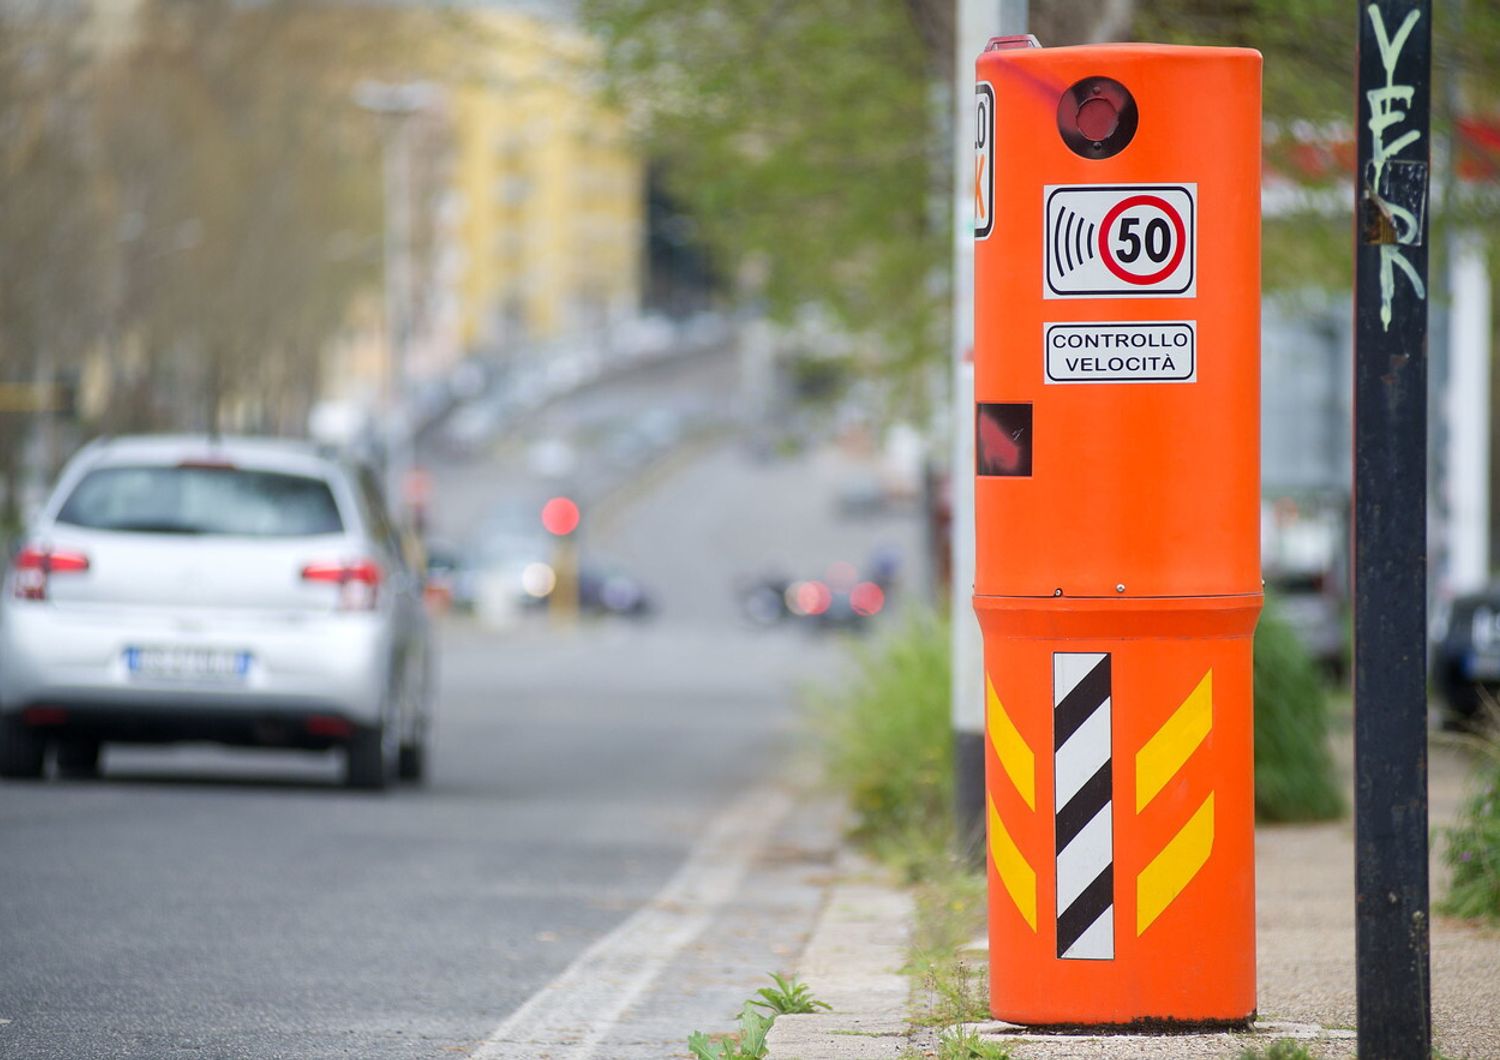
(202, 500)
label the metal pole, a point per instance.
(397, 208)
(397, 104)
(977, 21)
(1390, 529)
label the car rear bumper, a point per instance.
(298, 666)
(313, 726)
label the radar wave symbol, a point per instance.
(1072, 240)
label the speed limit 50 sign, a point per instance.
(1118, 240)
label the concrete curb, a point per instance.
(853, 962)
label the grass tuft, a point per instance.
(1473, 849)
(1295, 777)
(964, 1043)
(950, 915)
(885, 735)
(789, 996)
(748, 1043)
(1281, 1049)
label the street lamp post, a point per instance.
(396, 104)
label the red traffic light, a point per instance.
(560, 516)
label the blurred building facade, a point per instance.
(551, 193)
(528, 213)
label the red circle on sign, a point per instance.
(1109, 221)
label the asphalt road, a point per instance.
(215, 904)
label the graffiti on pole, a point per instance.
(1395, 192)
(1389, 560)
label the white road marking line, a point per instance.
(570, 1016)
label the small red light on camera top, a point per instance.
(560, 516)
(1012, 42)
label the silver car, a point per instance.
(242, 591)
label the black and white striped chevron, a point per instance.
(1083, 805)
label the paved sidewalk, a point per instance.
(853, 963)
(1305, 913)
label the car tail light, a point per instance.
(358, 582)
(867, 599)
(329, 725)
(810, 598)
(35, 566)
(41, 717)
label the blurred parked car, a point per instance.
(843, 598)
(605, 589)
(246, 592)
(1304, 557)
(1466, 663)
(1317, 614)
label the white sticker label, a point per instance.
(1120, 240)
(1124, 352)
(984, 160)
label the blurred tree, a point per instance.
(248, 190)
(1309, 105)
(52, 270)
(801, 138)
(806, 138)
(809, 142)
(195, 195)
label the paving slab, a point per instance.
(853, 962)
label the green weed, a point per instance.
(886, 737)
(964, 1043)
(788, 996)
(1473, 850)
(748, 1044)
(950, 914)
(1295, 777)
(1281, 1049)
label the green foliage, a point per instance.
(1281, 1049)
(787, 996)
(1295, 776)
(964, 1043)
(885, 734)
(951, 903)
(1473, 850)
(748, 1044)
(196, 196)
(807, 142)
(1309, 49)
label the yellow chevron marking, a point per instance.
(1010, 863)
(1014, 755)
(1162, 881)
(1169, 749)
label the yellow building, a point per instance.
(550, 217)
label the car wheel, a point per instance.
(21, 751)
(370, 759)
(78, 758)
(1465, 698)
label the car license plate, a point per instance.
(187, 664)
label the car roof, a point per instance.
(274, 454)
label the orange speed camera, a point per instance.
(1117, 338)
